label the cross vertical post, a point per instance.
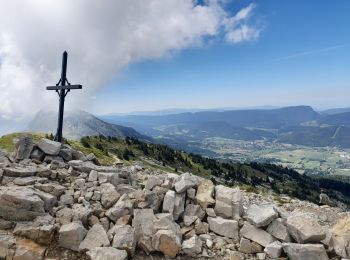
(62, 89)
(62, 95)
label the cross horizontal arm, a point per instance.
(64, 87)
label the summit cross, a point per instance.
(62, 88)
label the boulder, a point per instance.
(192, 246)
(7, 245)
(143, 223)
(228, 202)
(148, 199)
(71, 235)
(28, 250)
(194, 210)
(124, 238)
(224, 227)
(64, 215)
(23, 147)
(66, 154)
(93, 175)
(37, 154)
(185, 181)
(153, 181)
(107, 253)
(20, 204)
(124, 206)
(304, 228)
(81, 213)
(179, 205)
(278, 229)
(96, 237)
(305, 251)
(49, 147)
(205, 193)
(261, 216)
(51, 188)
(41, 230)
(109, 195)
(256, 234)
(167, 242)
(341, 237)
(169, 202)
(28, 181)
(249, 247)
(20, 171)
(274, 250)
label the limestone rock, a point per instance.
(124, 206)
(228, 202)
(279, 230)
(7, 244)
(23, 147)
(305, 251)
(167, 242)
(109, 195)
(49, 147)
(169, 202)
(65, 215)
(71, 235)
(248, 247)
(224, 227)
(20, 204)
(40, 230)
(261, 216)
(96, 237)
(125, 238)
(274, 250)
(192, 247)
(143, 223)
(341, 237)
(205, 193)
(81, 213)
(153, 181)
(107, 253)
(66, 154)
(256, 234)
(185, 181)
(194, 210)
(27, 249)
(93, 175)
(51, 188)
(304, 228)
(179, 205)
(37, 154)
(20, 171)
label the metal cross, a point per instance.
(62, 88)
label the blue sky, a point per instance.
(302, 56)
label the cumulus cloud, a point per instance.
(102, 38)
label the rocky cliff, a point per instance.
(57, 203)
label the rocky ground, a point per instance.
(57, 203)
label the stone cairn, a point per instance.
(57, 203)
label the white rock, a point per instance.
(305, 251)
(261, 216)
(71, 235)
(124, 206)
(304, 228)
(192, 247)
(125, 238)
(274, 250)
(169, 202)
(107, 253)
(256, 234)
(49, 147)
(179, 205)
(185, 181)
(109, 195)
(249, 247)
(279, 230)
(96, 237)
(93, 175)
(205, 193)
(228, 202)
(224, 227)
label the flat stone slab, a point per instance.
(305, 251)
(20, 171)
(261, 216)
(257, 235)
(49, 147)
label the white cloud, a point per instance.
(238, 28)
(102, 37)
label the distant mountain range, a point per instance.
(78, 124)
(300, 125)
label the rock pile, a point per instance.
(57, 203)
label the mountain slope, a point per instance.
(78, 124)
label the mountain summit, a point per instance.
(79, 123)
